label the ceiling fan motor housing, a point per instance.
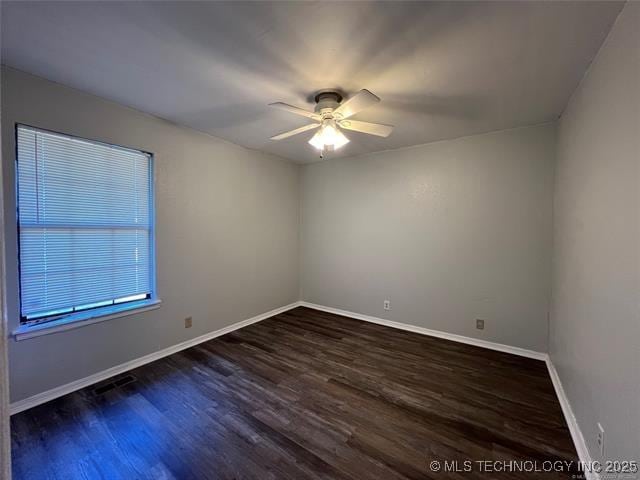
(327, 101)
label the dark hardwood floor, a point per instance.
(303, 395)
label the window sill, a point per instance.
(82, 319)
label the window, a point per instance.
(85, 225)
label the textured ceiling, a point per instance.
(442, 69)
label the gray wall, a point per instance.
(595, 322)
(5, 442)
(227, 233)
(449, 232)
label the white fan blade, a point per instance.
(291, 133)
(361, 100)
(298, 111)
(366, 127)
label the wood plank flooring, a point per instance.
(303, 395)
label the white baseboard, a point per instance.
(523, 352)
(574, 428)
(44, 397)
(572, 423)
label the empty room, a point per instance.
(347, 240)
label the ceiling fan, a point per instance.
(331, 116)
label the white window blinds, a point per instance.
(85, 224)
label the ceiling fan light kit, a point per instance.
(329, 137)
(331, 116)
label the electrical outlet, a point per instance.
(188, 322)
(479, 324)
(600, 440)
(387, 304)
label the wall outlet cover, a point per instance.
(387, 304)
(479, 324)
(600, 440)
(188, 322)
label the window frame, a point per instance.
(91, 314)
